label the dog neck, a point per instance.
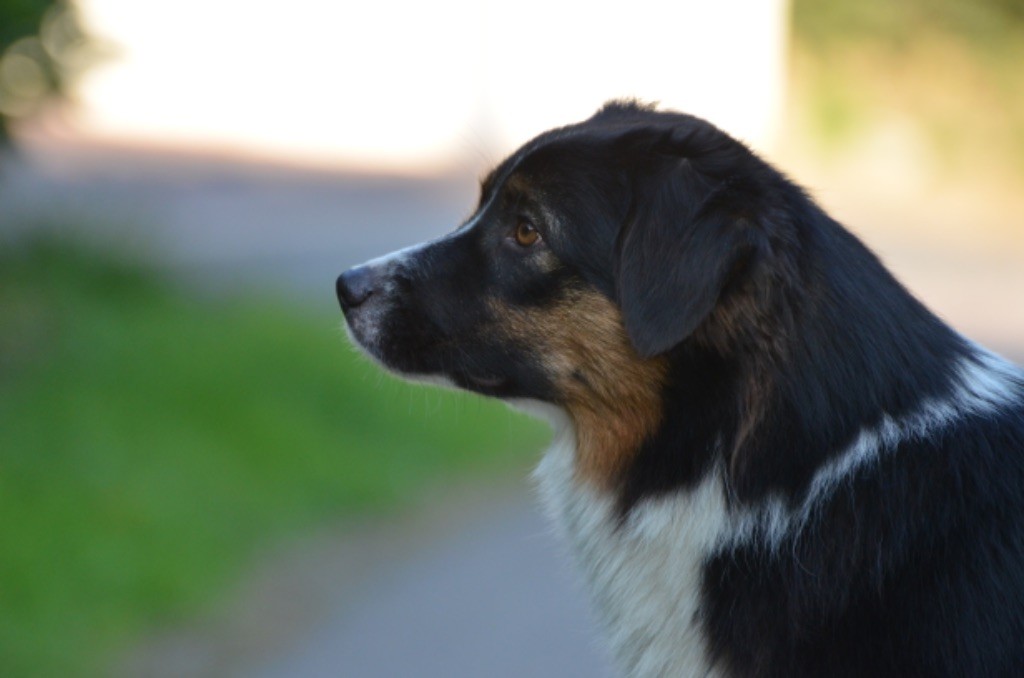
(610, 430)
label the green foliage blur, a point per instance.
(987, 24)
(151, 443)
(954, 66)
(42, 46)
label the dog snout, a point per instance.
(356, 285)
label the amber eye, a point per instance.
(526, 234)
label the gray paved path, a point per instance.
(470, 583)
(492, 600)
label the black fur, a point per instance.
(914, 569)
(785, 338)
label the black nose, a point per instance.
(355, 286)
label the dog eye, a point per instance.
(526, 234)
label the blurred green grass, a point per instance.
(151, 443)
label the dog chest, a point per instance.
(644, 573)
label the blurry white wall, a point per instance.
(411, 85)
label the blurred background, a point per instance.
(199, 477)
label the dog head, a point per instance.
(596, 251)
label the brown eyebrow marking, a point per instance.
(517, 185)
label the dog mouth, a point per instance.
(486, 381)
(371, 341)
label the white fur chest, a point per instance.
(644, 574)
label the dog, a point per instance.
(769, 458)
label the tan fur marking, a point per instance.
(612, 395)
(517, 183)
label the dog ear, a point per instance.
(679, 250)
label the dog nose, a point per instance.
(355, 286)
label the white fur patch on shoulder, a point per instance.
(989, 382)
(644, 574)
(985, 383)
